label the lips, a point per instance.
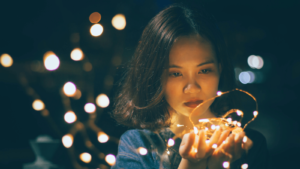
(193, 104)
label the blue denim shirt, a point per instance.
(156, 157)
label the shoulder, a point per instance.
(137, 138)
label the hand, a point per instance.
(194, 150)
(231, 150)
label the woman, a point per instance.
(179, 63)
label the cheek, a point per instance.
(172, 92)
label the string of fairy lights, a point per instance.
(70, 90)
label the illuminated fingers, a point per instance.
(213, 141)
(186, 145)
(201, 145)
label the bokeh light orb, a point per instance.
(77, 54)
(119, 21)
(102, 137)
(6, 60)
(110, 159)
(143, 151)
(171, 142)
(102, 100)
(95, 17)
(51, 61)
(90, 108)
(67, 140)
(226, 164)
(246, 77)
(255, 62)
(38, 105)
(77, 94)
(85, 157)
(244, 166)
(69, 89)
(70, 117)
(96, 30)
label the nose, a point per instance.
(191, 87)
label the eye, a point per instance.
(175, 74)
(205, 71)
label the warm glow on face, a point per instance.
(119, 21)
(110, 159)
(142, 151)
(102, 137)
(76, 54)
(95, 17)
(38, 105)
(51, 61)
(96, 30)
(70, 117)
(6, 60)
(102, 100)
(85, 157)
(171, 142)
(90, 108)
(226, 164)
(69, 89)
(67, 140)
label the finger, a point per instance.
(223, 137)
(213, 140)
(238, 144)
(201, 145)
(185, 148)
(230, 144)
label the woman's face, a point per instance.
(193, 74)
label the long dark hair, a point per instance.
(140, 102)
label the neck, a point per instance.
(181, 124)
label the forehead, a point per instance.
(192, 48)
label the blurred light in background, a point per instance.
(67, 140)
(38, 105)
(90, 108)
(110, 159)
(255, 62)
(96, 29)
(85, 157)
(69, 89)
(119, 21)
(102, 137)
(75, 38)
(102, 100)
(77, 54)
(244, 166)
(226, 164)
(6, 60)
(142, 151)
(246, 77)
(87, 66)
(77, 94)
(70, 117)
(95, 17)
(51, 61)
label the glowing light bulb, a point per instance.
(239, 124)
(102, 137)
(70, 117)
(143, 151)
(67, 140)
(38, 105)
(110, 159)
(244, 166)
(85, 157)
(119, 21)
(51, 61)
(95, 17)
(206, 141)
(214, 146)
(90, 108)
(195, 130)
(102, 100)
(234, 122)
(180, 125)
(77, 54)
(213, 127)
(217, 127)
(69, 89)
(239, 113)
(255, 113)
(171, 142)
(203, 120)
(96, 30)
(219, 93)
(168, 152)
(229, 120)
(245, 139)
(226, 164)
(6, 60)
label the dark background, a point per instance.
(30, 28)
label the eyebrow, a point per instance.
(201, 64)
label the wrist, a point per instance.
(186, 164)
